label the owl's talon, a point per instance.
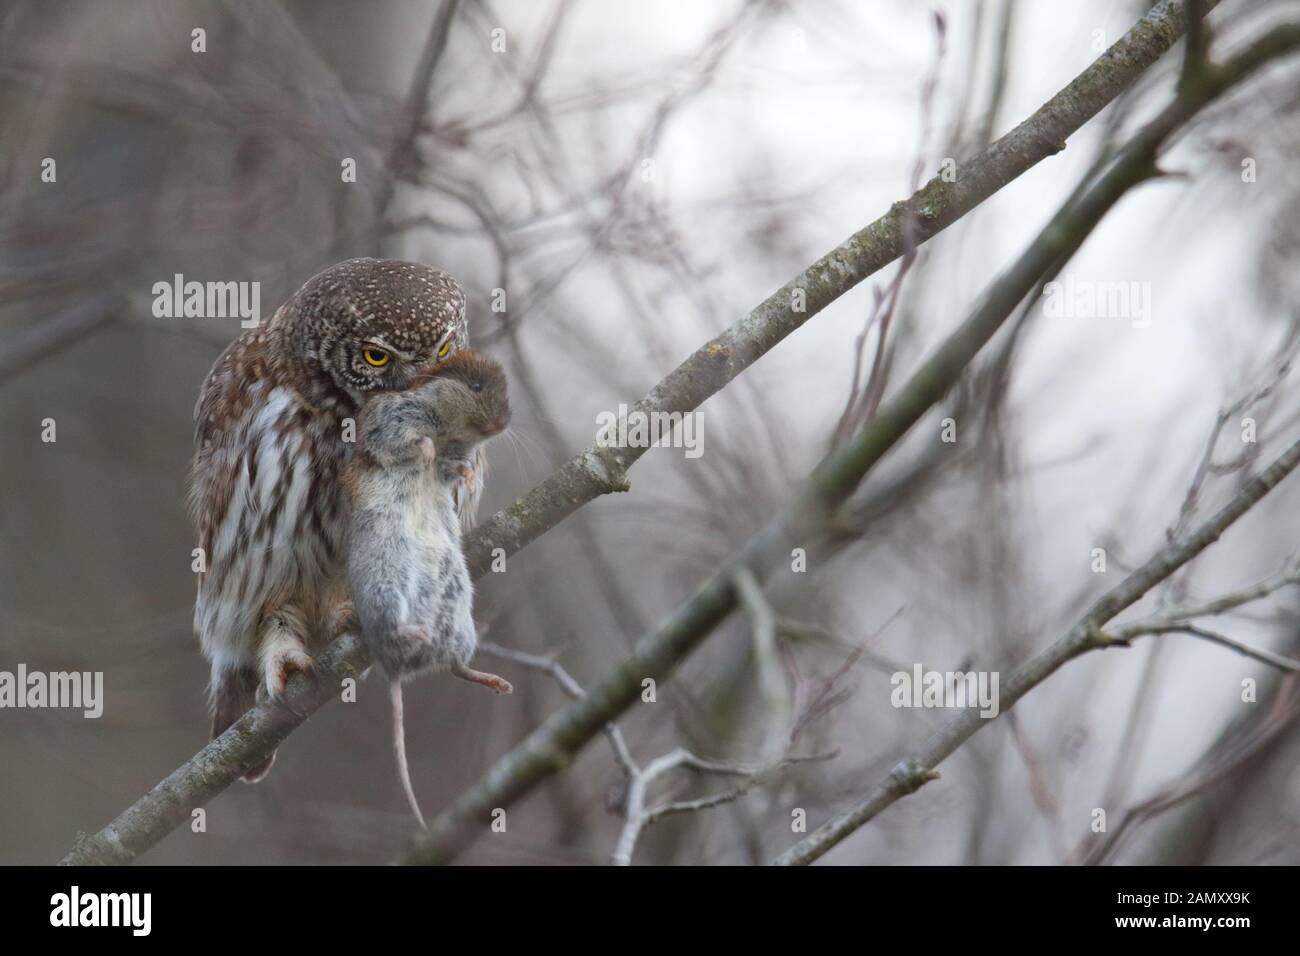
(282, 665)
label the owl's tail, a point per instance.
(234, 692)
(399, 748)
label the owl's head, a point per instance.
(375, 324)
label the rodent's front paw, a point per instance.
(455, 470)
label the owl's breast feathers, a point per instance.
(264, 492)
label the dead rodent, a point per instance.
(410, 584)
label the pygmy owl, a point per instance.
(272, 435)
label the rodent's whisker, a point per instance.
(517, 443)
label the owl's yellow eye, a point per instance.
(376, 357)
(446, 348)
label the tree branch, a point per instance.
(811, 518)
(622, 755)
(402, 151)
(1127, 636)
(1083, 637)
(771, 676)
(1086, 635)
(639, 816)
(221, 762)
(597, 471)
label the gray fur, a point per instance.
(410, 585)
(405, 563)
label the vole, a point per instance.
(410, 585)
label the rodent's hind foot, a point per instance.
(491, 681)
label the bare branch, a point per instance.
(1244, 740)
(1139, 154)
(772, 679)
(417, 103)
(813, 514)
(638, 816)
(1125, 637)
(1083, 637)
(597, 471)
(571, 687)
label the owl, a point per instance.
(274, 426)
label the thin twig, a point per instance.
(639, 816)
(772, 678)
(1129, 634)
(571, 687)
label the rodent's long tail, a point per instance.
(399, 748)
